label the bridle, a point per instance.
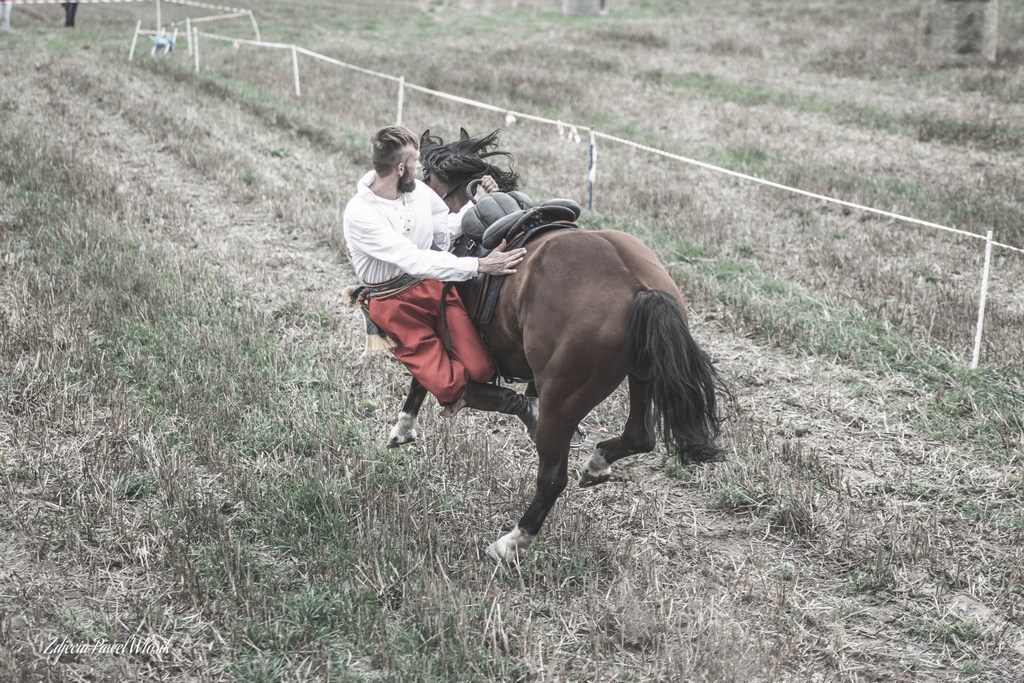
(455, 188)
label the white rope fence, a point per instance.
(571, 132)
(159, 35)
(73, 2)
(190, 3)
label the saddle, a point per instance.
(502, 216)
(499, 215)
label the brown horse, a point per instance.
(585, 310)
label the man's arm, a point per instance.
(370, 238)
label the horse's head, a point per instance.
(449, 167)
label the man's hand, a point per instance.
(501, 262)
(486, 186)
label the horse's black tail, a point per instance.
(681, 377)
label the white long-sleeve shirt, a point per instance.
(389, 237)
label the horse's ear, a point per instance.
(463, 135)
(423, 138)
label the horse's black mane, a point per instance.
(463, 160)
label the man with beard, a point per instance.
(398, 232)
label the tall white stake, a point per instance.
(255, 27)
(592, 171)
(195, 46)
(981, 305)
(295, 69)
(135, 38)
(401, 99)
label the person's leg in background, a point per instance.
(69, 13)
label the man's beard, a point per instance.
(407, 183)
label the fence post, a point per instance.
(131, 52)
(188, 32)
(159, 21)
(592, 171)
(295, 69)
(255, 27)
(401, 99)
(981, 305)
(195, 46)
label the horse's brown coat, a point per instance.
(585, 311)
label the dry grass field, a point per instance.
(194, 483)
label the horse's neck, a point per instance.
(456, 202)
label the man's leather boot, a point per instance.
(495, 399)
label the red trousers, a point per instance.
(413, 320)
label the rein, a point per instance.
(470, 186)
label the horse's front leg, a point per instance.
(404, 430)
(552, 439)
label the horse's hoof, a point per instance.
(404, 430)
(495, 553)
(508, 547)
(587, 479)
(503, 552)
(396, 441)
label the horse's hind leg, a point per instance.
(404, 430)
(638, 436)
